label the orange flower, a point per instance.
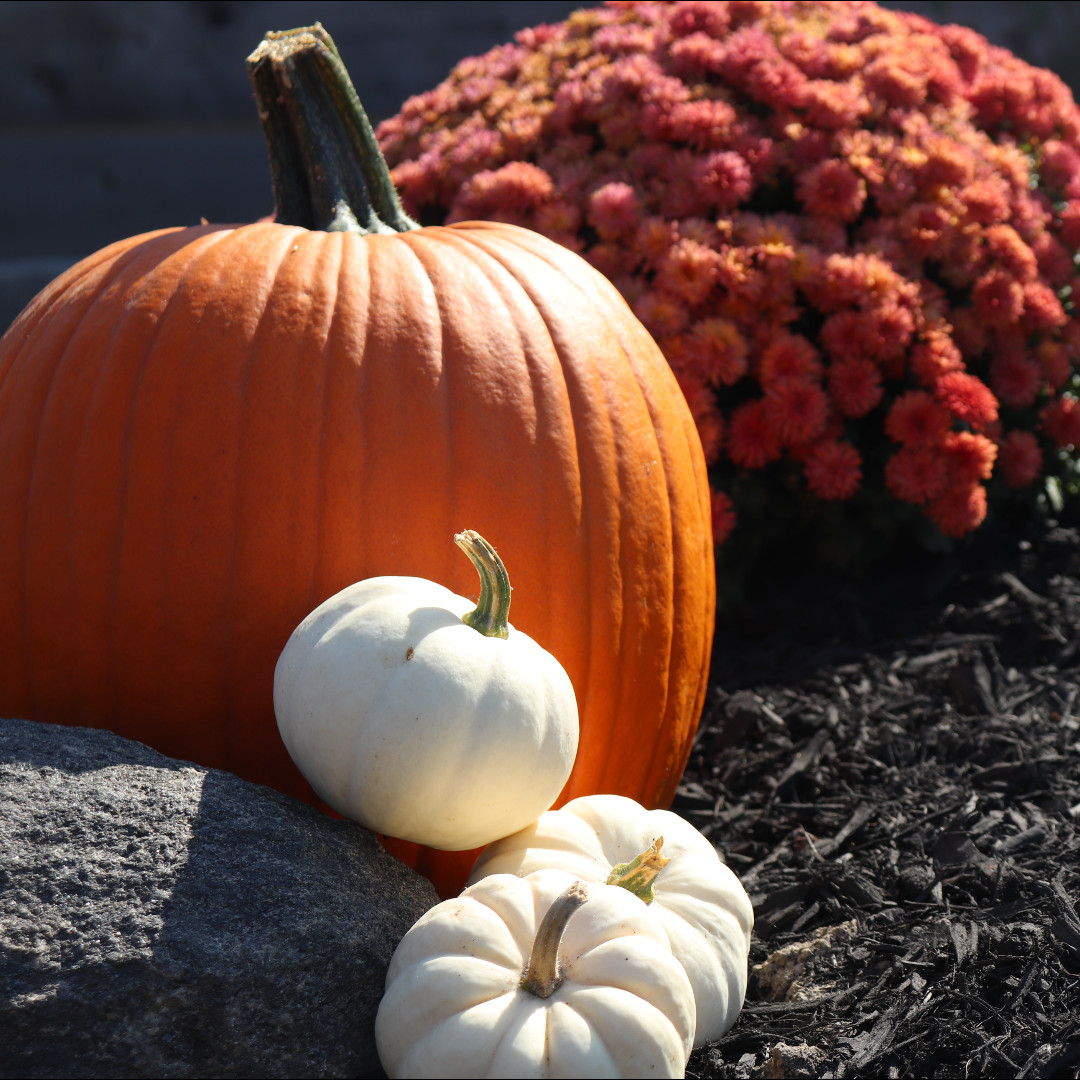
(752, 442)
(832, 189)
(719, 350)
(935, 355)
(1016, 378)
(662, 314)
(959, 509)
(1061, 419)
(916, 418)
(723, 517)
(833, 470)
(1042, 308)
(855, 386)
(1004, 245)
(914, 474)
(687, 270)
(985, 200)
(653, 237)
(862, 219)
(998, 299)
(614, 210)
(702, 404)
(969, 457)
(1021, 459)
(788, 356)
(1055, 362)
(968, 398)
(797, 410)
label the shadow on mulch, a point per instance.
(892, 768)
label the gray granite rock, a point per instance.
(162, 919)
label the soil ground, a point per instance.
(892, 768)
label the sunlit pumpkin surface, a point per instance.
(206, 432)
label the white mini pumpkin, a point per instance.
(422, 718)
(522, 977)
(698, 901)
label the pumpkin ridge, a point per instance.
(505, 260)
(663, 718)
(550, 428)
(449, 390)
(335, 253)
(672, 763)
(346, 423)
(415, 386)
(628, 630)
(128, 260)
(146, 352)
(261, 356)
(680, 699)
(157, 529)
(39, 306)
(11, 372)
(431, 246)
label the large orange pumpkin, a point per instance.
(205, 432)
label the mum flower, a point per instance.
(797, 410)
(959, 509)
(855, 386)
(752, 442)
(718, 350)
(723, 516)
(1016, 378)
(848, 225)
(614, 210)
(968, 398)
(833, 470)
(832, 189)
(788, 356)
(914, 474)
(1061, 419)
(1021, 459)
(968, 456)
(998, 299)
(916, 418)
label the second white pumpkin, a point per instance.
(404, 717)
(698, 901)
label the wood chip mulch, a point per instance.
(892, 768)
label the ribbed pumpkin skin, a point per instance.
(206, 432)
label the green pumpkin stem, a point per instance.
(493, 608)
(328, 171)
(542, 975)
(638, 874)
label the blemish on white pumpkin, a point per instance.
(409, 653)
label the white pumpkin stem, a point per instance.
(542, 975)
(492, 611)
(638, 874)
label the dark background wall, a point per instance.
(117, 117)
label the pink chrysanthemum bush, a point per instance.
(853, 233)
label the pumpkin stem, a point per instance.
(542, 975)
(328, 171)
(493, 608)
(638, 874)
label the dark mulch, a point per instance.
(892, 767)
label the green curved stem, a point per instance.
(542, 975)
(492, 611)
(638, 874)
(328, 171)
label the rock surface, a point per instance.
(162, 919)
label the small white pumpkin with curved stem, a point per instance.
(422, 716)
(698, 901)
(539, 976)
